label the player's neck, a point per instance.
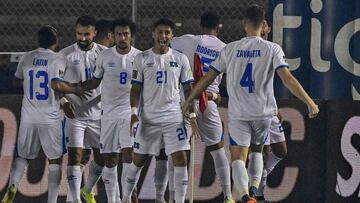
(123, 51)
(250, 32)
(206, 31)
(160, 49)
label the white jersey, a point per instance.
(38, 68)
(250, 64)
(160, 77)
(207, 47)
(80, 66)
(115, 70)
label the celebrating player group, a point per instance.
(103, 95)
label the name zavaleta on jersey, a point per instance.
(80, 66)
(115, 70)
(250, 65)
(38, 68)
(160, 76)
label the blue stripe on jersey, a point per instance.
(214, 69)
(188, 82)
(63, 122)
(136, 82)
(56, 78)
(232, 141)
(282, 66)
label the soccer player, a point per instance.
(114, 69)
(250, 64)
(40, 72)
(85, 127)
(157, 75)
(103, 37)
(207, 46)
(275, 148)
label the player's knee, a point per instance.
(85, 158)
(126, 155)
(279, 150)
(56, 161)
(179, 158)
(74, 156)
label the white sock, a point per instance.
(240, 177)
(222, 169)
(132, 178)
(17, 171)
(109, 176)
(125, 170)
(161, 179)
(69, 198)
(74, 179)
(171, 181)
(94, 175)
(271, 162)
(180, 183)
(256, 166)
(54, 179)
(117, 195)
(262, 185)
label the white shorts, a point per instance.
(276, 132)
(150, 138)
(32, 136)
(115, 135)
(210, 126)
(84, 134)
(245, 133)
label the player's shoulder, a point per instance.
(68, 50)
(99, 48)
(135, 51)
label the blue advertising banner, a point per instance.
(320, 39)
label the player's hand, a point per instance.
(69, 110)
(81, 93)
(313, 110)
(217, 99)
(134, 119)
(195, 128)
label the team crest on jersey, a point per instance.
(149, 65)
(111, 64)
(76, 61)
(134, 74)
(284, 59)
(173, 64)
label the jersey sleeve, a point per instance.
(58, 69)
(186, 73)
(19, 69)
(219, 65)
(137, 73)
(99, 68)
(279, 59)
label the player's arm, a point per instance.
(91, 84)
(134, 103)
(200, 87)
(296, 89)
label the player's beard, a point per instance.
(122, 46)
(84, 45)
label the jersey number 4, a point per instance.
(246, 79)
(43, 79)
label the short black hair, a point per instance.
(255, 14)
(47, 36)
(123, 22)
(102, 27)
(209, 20)
(86, 21)
(164, 21)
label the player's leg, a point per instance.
(171, 180)
(176, 144)
(27, 147)
(92, 137)
(161, 175)
(75, 147)
(211, 130)
(240, 139)
(147, 142)
(54, 148)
